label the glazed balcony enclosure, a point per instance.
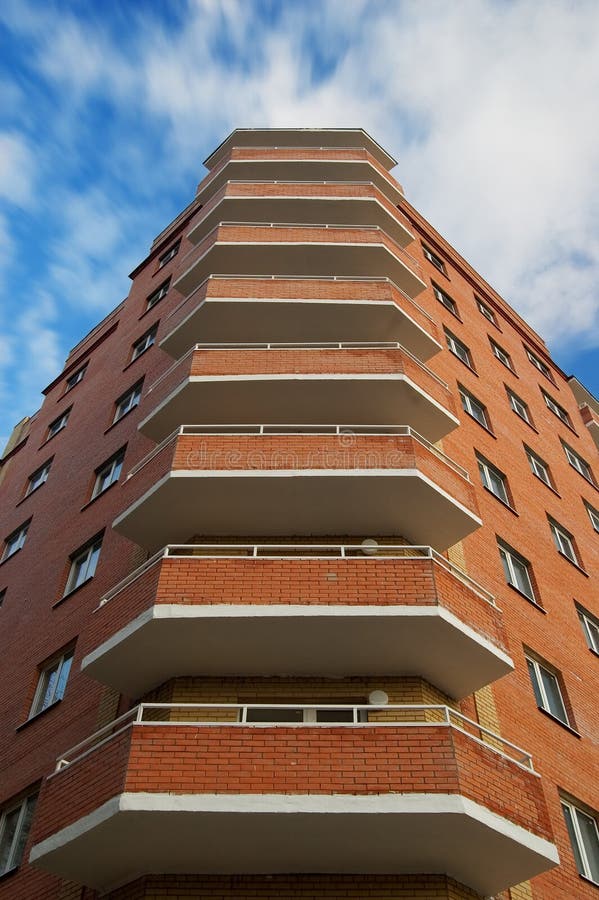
(302, 203)
(301, 480)
(346, 789)
(245, 383)
(329, 610)
(311, 250)
(300, 310)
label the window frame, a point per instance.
(535, 459)
(48, 693)
(82, 560)
(515, 401)
(508, 557)
(499, 353)
(18, 537)
(557, 410)
(486, 311)
(159, 294)
(445, 300)
(57, 425)
(564, 542)
(539, 364)
(590, 627)
(111, 463)
(74, 379)
(580, 854)
(455, 346)
(593, 515)
(433, 259)
(541, 696)
(144, 342)
(19, 840)
(484, 468)
(44, 471)
(581, 465)
(470, 400)
(169, 254)
(119, 411)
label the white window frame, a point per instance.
(458, 349)
(501, 354)
(539, 467)
(470, 403)
(169, 254)
(556, 409)
(435, 260)
(519, 407)
(542, 367)
(15, 541)
(538, 671)
(158, 294)
(564, 542)
(575, 833)
(108, 473)
(578, 463)
(75, 378)
(445, 300)
(144, 343)
(83, 565)
(37, 478)
(593, 515)
(590, 627)
(52, 683)
(512, 563)
(58, 424)
(486, 312)
(489, 476)
(128, 401)
(26, 807)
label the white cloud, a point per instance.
(17, 168)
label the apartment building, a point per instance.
(299, 562)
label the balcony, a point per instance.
(302, 203)
(206, 789)
(590, 417)
(297, 164)
(301, 480)
(308, 310)
(308, 609)
(308, 250)
(366, 383)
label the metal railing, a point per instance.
(324, 430)
(395, 552)
(236, 715)
(300, 345)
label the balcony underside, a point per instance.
(143, 833)
(302, 399)
(324, 210)
(308, 170)
(184, 639)
(255, 320)
(309, 502)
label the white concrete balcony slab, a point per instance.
(329, 610)
(283, 249)
(188, 789)
(246, 383)
(301, 480)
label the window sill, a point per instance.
(572, 563)
(526, 422)
(133, 361)
(150, 308)
(548, 486)
(22, 500)
(527, 598)
(480, 425)
(12, 555)
(584, 878)
(15, 869)
(38, 715)
(52, 436)
(118, 421)
(503, 502)
(565, 725)
(71, 593)
(101, 494)
(467, 365)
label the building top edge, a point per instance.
(301, 137)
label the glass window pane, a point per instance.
(24, 830)
(573, 838)
(554, 697)
(534, 681)
(590, 842)
(6, 841)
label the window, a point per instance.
(144, 342)
(128, 401)
(538, 467)
(584, 837)
(558, 410)
(501, 354)
(158, 294)
(169, 254)
(434, 259)
(486, 312)
(52, 683)
(2, 596)
(446, 300)
(564, 542)
(593, 515)
(590, 627)
(38, 478)
(75, 378)
(494, 480)
(519, 406)
(58, 424)
(15, 541)
(547, 690)
(15, 822)
(83, 565)
(108, 473)
(517, 571)
(578, 463)
(474, 408)
(539, 364)
(458, 349)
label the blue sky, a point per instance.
(107, 110)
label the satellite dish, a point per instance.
(369, 547)
(378, 698)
